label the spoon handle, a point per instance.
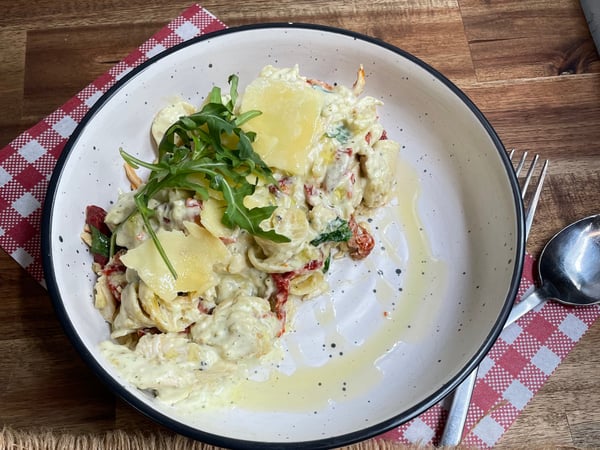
(524, 306)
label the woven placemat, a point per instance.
(112, 440)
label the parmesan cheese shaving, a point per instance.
(193, 256)
(284, 134)
(167, 116)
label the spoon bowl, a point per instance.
(568, 269)
(569, 266)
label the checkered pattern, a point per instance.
(26, 163)
(517, 366)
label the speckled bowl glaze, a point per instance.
(398, 331)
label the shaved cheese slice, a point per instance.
(193, 256)
(288, 124)
(168, 116)
(211, 217)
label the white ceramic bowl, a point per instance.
(412, 321)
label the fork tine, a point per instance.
(534, 200)
(528, 176)
(521, 162)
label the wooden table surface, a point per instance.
(531, 66)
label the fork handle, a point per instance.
(461, 398)
(457, 415)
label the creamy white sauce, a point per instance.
(345, 365)
(336, 346)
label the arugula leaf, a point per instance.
(337, 230)
(248, 219)
(208, 151)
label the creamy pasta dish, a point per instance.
(249, 201)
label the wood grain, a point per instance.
(531, 67)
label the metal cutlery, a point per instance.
(461, 398)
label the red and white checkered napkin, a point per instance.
(519, 363)
(516, 367)
(26, 163)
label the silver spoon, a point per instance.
(568, 269)
(569, 272)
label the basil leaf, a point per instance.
(100, 242)
(337, 230)
(341, 133)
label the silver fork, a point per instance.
(461, 398)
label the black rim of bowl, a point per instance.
(329, 442)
